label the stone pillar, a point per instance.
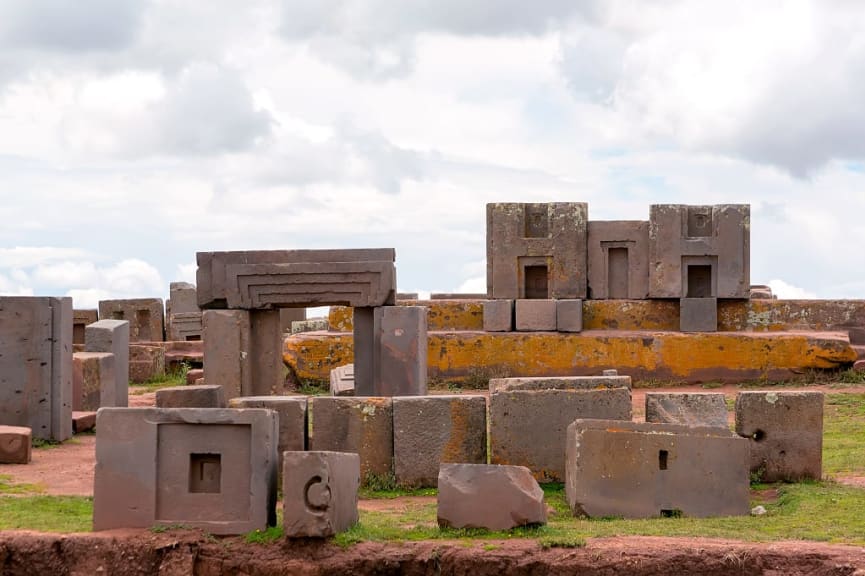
(227, 360)
(112, 336)
(268, 372)
(400, 361)
(364, 351)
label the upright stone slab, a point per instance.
(701, 409)
(112, 337)
(319, 491)
(498, 315)
(400, 366)
(569, 315)
(342, 380)
(536, 250)
(560, 383)
(785, 431)
(201, 467)
(94, 383)
(698, 314)
(200, 396)
(36, 365)
(183, 298)
(491, 497)
(145, 317)
(265, 337)
(15, 442)
(146, 363)
(527, 427)
(431, 430)
(618, 259)
(292, 418)
(363, 426)
(535, 315)
(80, 319)
(227, 360)
(636, 470)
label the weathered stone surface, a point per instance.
(488, 496)
(182, 314)
(430, 430)
(94, 383)
(535, 315)
(36, 365)
(201, 467)
(569, 315)
(146, 362)
(112, 337)
(310, 325)
(145, 317)
(206, 396)
(457, 296)
(442, 315)
(288, 316)
(319, 493)
(527, 427)
(703, 409)
(80, 319)
(363, 426)
(536, 250)
(296, 278)
(83, 422)
(180, 353)
(292, 418)
(268, 373)
(785, 431)
(859, 366)
(498, 315)
(342, 380)
(226, 351)
(698, 314)
(636, 470)
(185, 326)
(193, 375)
(15, 444)
(618, 259)
(400, 367)
(559, 383)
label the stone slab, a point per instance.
(288, 316)
(145, 317)
(94, 383)
(701, 409)
(639, 470)
(319, 493)
(308, 325)
(698, 314)
(400, 367)
(535, 315)
(560, 383)
(618, 259)
(498, 315)
(112, 337)
(569, 315)
(182, 298)
(342, 380)
(15, 442)
(193, 375)
(431, 430)
(227, 362)
(185, 326)
(205, 396)
(83, 422)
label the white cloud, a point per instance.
(785, 291)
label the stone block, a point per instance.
(112, 337)
(319, 493)
(292, 418)
(527, 427)
(698, 314)
(363, 426)
(145, 317)
(536, 250)
(701, 409)
(80, 319)
(226, 351)
(785, 430)
(83, 422)
(36, 365)
(193, 375)
(266, 339)
(201, 467)
(638, 470)
(569, 315)
(535, 315)
(431, 430)
(182, 298)
(400, 365)
(190, 397)
(309, 325)
(618, 260)
(342, 380)
(185, 326)
(498, 315)
(559, 383)
(146, 363)
(487, 496)
(15, 442)
(288, 316)
(94, 383)
(458, 296)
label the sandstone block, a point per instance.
(146, 363)
(190, 397)
(569, 315)
(698, 314)
(83, 422)
(193, 375)
(145, 317)
(618, 259)
(80, 319)
(342, 380)
(400, 368)
(498, 315)
(319, 493)
(93, 381)
(560, 383)
(292, 418)
(535, 315)
(227, 351)
(688, 409)
(15, 444)
(112, 336)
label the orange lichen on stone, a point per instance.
(454, 450)
(443, 315)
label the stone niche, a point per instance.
(618, 260)
(145, 317)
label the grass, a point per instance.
(46, 513)
(177, 378)
(844, 434)
(8, 487)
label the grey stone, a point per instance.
(342, 380)
(618, 259)
(400, 367)
(145, 317)
(146, 363)
(430, 430)
(498, 315)
(185, 326)
(227, 360)
(292, 418)
(311, 325)
(80, 319)
(183, 298)
(785, 430)
(319, 493)
(698, 314)
(265, 355)
(569, 315)
(206, 396)
(15, 442)
(559, 383)
(112, 337)
(201, 467)
(458, 296)
(83, 421)
(637, 470)
(535, 315)
(94, 383)
(487, 496)
(702, 409)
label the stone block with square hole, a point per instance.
(431, 430)
(112, 337)
(201, 467)
(498, 315)
(527, 427)
(638, 470)
(319, 491)
(618, 260)
(145, 317)
(785, 431)
(342, 380)
(93, 381)
(535, 315)
(703, 409)
(698, 314)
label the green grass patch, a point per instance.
(7, 486)
(272, 534)
(844, 434)
(46, 513)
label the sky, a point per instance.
(135, 133)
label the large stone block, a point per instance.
(146, 363)
(535, 315)
(185, 326)
(36, 365)
(527, 427)
(569, 315)
(559, 383)
(292, 418)
(400, 365)
(536, 250)
(342, 380)
(94, 383)
(703, 409)
(203, 396)
(145, 317)
(498, 315)
(201, 467)
(363, 426)
(112, 337)
(80, 319)
(618, 259)
(227, 361)
(487, 496)
(431, 430)
(182, 298)
(785, 431)
(15, 442)
(637, 470)
(319, 491)
(698, 314)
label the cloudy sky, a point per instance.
(134, 133)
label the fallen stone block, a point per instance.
(193, 375)
(689, 409)
(535, 315)
(785, 431)
(498, 315)
(637, 470)
(15, 444)
(342, 380)
(431, 430)
(560, 383)
(190, 397)
(112, 336)
(319, 491)
(93, 381)
(146, 363)
(83, 422)
(488, 496)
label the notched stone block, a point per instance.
(319, 493)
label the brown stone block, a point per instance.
(560, 383)
(80, 319)
(400, 367)
(226, 351)
(342, 380)
(190, 397)
(535, 315)
(569, 315)
(145, 317)
(193, 375)
(112, 337)
(498, 315)
(83, 422)
(15, 444)
(94, 383)
(319, 493)
(698, 314)
(618, 259)
(146, 363)
(702, 409)
(292, 418)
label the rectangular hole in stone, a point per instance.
(536, 282)
(672, 513)
(617, 273)
(142, 318)
(193, 338)
(699, 221)
(662, 459)
(537, 221)
(699, 281)
(117, 315)
(205, 472)
(78, 333)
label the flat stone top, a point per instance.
(439, 396)
(771, 395)
(623, 426)
(132, 302)
(181, 286)
(18, 430)
(559, 383)
(111, 324)
(190, 388)
(241, 400)
(189, 415)
(90, 355)
(300, 256)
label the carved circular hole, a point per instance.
(759, 436)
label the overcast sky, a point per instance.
(134, 133)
